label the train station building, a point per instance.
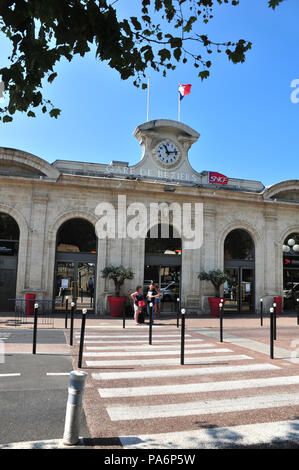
(49, 244)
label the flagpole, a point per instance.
(148, 98)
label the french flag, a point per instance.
(184, 90)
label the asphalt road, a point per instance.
(23, 336)
(33, 404)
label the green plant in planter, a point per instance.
(118, 274)
(216, 277)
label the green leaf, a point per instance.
(55, 113)
(177, 53)
(274, 3)
(7, 118)
(204, 74)
(52, 77)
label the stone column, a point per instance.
(209, 254)
(268, 261)
(35, 279)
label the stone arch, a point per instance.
(241, 225)
(52, 234)
(72, 214)
(283, 235)
(28, 160)
(281, 190)
(23, 242)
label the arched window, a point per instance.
(9, 235)
(76, 258)
(9, 247)
(77, 236)
(239, 264)
(239, 245)
(161, 243)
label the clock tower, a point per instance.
(165, 145)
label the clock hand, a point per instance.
(166, 149)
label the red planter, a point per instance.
(278, 301)
(214, 305)
(116, 305)
(30, 298)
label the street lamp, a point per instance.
(291, 247)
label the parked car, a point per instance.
(170, 293)
(293, 291)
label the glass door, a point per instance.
(75, 280)
(168, 278)
(239, 290)
(290, 288)
(85, 285)
(231, 290)
(64, 283)
(170, 287)
(247, 291)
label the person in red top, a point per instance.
(138, 299)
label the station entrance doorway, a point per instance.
(75, 267)
(163, 267)
(239, 264)
(9, 248)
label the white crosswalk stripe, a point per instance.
(124, 337)
(154, 353)
(198, 387)
(147, 347)
(167, 362)
(203, 407)
(124, 341)
(160, 373)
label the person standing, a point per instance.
(157, 301)
(139, 302)
(151, 296)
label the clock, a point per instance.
(167, 153)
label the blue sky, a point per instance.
(249, 127)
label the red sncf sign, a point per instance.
(217, 178)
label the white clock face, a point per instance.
(167, 153)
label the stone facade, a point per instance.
(42, 196)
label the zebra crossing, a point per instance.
(147, 393)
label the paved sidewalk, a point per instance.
(34, 389)
(224, 395)
(227, 394)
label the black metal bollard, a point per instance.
(178, 313)
(221, 321)
(274, 322)
(262, 312)
(35, 328)
(72, 322)
(271, 333)
(150, 324)
(84, 311)
(183, 311)
(66, 312)
(124, 316)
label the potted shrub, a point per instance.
(118, 274)
(217, 278)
